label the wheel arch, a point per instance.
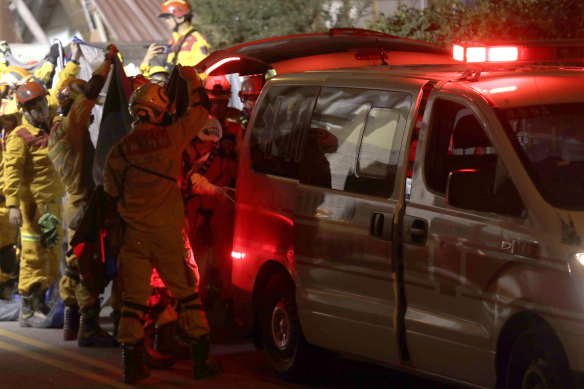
(267, 271)
(518, 324)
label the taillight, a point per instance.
(237, 255)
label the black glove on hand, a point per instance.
(53, 53)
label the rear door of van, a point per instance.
(347, 195)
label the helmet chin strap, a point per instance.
(177, 24)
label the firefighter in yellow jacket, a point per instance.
(33, 193)
(186, 47)
(141, 173)
(8, 235)
(71, 151)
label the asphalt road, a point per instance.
(39, 358)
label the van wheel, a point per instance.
(282, 338)
(537, 361)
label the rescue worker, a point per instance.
(33, 192)
(11, 117)
(249, 93)
(186, 47)
(209, 209)
(71, 151)
(8, 236)
(141, 174)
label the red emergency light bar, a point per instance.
(559, 51)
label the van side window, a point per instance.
(278, 130)
(458, 142)
(354, 141)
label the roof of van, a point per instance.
(340, 47)
(506, 88)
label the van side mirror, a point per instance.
(468, 189)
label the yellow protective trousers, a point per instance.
(71, 288)
(7, 238)
(168, 251)
(38, 264)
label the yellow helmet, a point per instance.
(149, 102)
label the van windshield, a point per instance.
(550, 142)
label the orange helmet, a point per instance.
(69, 91)
(176, 8)
(149, 102)
(30, 90)
(218, 87)
(251, 86)
(138, 80)
(12, 75)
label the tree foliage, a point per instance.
(489, 20)
(230, 22)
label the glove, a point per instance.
(53, 53)
(4, 48)
(15, 216)
(49, 236)
(110, 52)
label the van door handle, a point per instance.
(381, 225)
(415, 230)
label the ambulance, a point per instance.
(427, 218)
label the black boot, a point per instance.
(71, 322)
(30, 312)
(90, 332)
(134, 361)
(168, 341)
(155, 359)
(202, 366)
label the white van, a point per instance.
(428, 218)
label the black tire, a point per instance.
(281, 335)
(537, 361)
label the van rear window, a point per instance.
(277, 135)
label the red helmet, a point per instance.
(251, 86)
(69, 91)
(149, 102)
(30, 90)
(218, 87)
(176, 8)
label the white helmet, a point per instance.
(211, 131)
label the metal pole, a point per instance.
(31, 22)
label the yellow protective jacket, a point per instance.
(29, 174)
(194, 48)
(142, 168)
(70, 147)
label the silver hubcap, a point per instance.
(281, 325)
